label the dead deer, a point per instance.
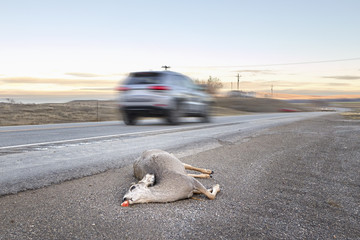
(164, 179)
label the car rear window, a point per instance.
(144, 78)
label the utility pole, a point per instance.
(238, 81)
(165, 67)
(272, 90)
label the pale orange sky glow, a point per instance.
(310, 79)
(68, 50)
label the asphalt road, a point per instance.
(37, 156)
(50, 134)
(294, 181)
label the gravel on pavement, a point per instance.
(297, 181)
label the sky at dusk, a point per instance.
(53, 51)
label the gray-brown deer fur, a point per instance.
(163, 179)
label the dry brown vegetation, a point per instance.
(355, 110)
(87, 111)
(256, 104)
(75, 111)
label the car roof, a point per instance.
(155, 72)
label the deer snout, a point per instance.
(125, 198)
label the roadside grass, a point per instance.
(354, 107)
(75, 111)
(351, 115)
(256, 104)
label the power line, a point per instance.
(285, 64)
(301, 63)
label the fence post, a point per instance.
(97, 110)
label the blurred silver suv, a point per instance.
(162, 94)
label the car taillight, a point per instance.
(122, 89)
(160, 88)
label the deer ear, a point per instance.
(149, 180)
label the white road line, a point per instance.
(36, 128)
(168, 130)
(82, 139)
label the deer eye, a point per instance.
(132, 188)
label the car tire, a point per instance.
(129, 119)
(205, 117)
(174, 115)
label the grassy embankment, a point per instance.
(89, 111)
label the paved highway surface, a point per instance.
(37, 135)
(279, 178)
(36, 156)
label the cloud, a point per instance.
(93, 75)
(54, 96)
(326, 92)
(59, 81)
(338, 84)
(22, 80)
(279, 83)
(97, 89)
(85, 75)
(348, 77)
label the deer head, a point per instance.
(140, 192)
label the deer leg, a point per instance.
(211, 194)
(202, 170)
(198, 192)
(199, 175)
